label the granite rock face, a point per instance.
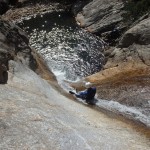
(139, 34)
(35, 116)
(14, 46)
(100, 16)
(126, 74)
(134, 46)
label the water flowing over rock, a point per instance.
(126, 75)
(35, 116)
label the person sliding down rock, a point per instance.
(87, 95)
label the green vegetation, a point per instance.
(135, 9)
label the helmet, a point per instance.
(88, 84)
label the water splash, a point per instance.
(129, 112)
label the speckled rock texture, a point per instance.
(99, 16)
(35, 116)
(126, 75)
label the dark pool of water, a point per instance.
(67, 49)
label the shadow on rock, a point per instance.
(3, 74)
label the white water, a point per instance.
(130, 112)
(117, 108)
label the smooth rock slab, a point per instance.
(35, 116)
(100, 16)
(139, 34)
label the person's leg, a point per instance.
(78, 95)
(81, 94)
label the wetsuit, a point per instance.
(87, 95)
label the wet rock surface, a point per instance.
(126, 75)
(35, 116)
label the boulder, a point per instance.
(100, 16)
(139, 34)
(125, 78)
(126, 74)
(134, 45)
(14, 45)
(139, 54)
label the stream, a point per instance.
(72, 54)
